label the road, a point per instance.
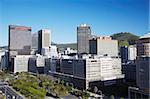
(9, 92)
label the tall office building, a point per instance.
(142, 69)
(103, 46)
(44, 41)
(143, 63)
(19, 40)
(83, 37)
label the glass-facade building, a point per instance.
(83, 37)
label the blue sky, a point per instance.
(63, 16)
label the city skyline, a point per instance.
(63, 17)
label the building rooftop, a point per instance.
(104, 37)
(45, 30)
(83, 25)
(18, 27)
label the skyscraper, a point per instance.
(143, 63)
(142, 70)
(20, 40)
(44, 41)
(83, 37)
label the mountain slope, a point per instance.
(71, 45)
(125, 38)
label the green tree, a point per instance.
(123, 43)
(60, 90)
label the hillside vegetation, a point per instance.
(71, 45)
(125, 38)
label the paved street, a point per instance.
(9, 92)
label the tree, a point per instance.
(2, 75)
(85, 95)
(28, 85)
(60, 90)
(123, 43)
(62, 82)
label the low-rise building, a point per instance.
(42, 64)
(91, 69)
(132, 52)
(19, 63)
(54, 51)
(136, 93)
(128, 53)
(70, 51)
(4, 61)
(2, 53)
(38, 64)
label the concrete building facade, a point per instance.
(129, 69)
(104, 46)
(42, 65)
(2, 53)
(54, 51)
(142, 69)
(19, 40)
(39, 64)
(4, 61)
(35, 41)
(88, 70)
(143, 63)
(20, 63)
(124, 54)
(132, 52)
(128, 53)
